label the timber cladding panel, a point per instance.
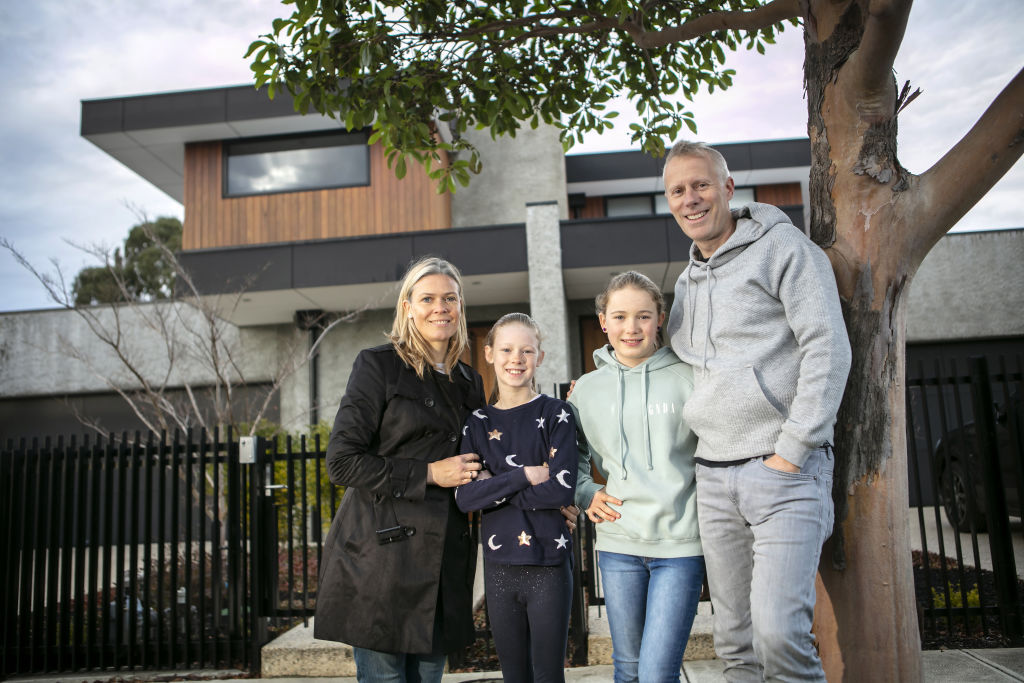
(386, 205)
(783, 194)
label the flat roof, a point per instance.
(148, 134)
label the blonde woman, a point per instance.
(397, 571)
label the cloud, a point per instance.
(56, 53)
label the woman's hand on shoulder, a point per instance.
(454, 471)
(572, 385)
(598, 511)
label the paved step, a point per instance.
(296, 653)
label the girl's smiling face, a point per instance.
(514, 355)
(631, 320)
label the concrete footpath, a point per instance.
(940, 666)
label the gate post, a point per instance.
(987, 449)
(252, 453)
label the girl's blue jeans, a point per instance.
(651, 602)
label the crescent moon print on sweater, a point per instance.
(521, 523)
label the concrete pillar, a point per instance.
(547, 291)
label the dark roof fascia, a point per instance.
(353, 260)
(182, 109)
(740, 156)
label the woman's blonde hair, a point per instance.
(509, 319)
(407, 340)
(632, 278)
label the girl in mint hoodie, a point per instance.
(630, 413)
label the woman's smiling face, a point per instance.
(434, 309)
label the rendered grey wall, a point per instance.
(970, 286)
(338, 351)
(55, 352)
(527, 168)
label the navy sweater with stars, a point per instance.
(522, 523)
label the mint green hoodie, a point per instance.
(632, 421)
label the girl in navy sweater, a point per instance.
(527, 444)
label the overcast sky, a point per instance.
(57, 187)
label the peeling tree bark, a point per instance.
(866, 619)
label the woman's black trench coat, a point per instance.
(384, 596)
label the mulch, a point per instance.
(951, 628)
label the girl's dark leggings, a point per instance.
(528, 607)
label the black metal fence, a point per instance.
(966, 472)
(124, 553)
(191, 551)
(152, 553)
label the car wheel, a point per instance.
(958, 500)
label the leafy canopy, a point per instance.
(423, 72)
(143, 272)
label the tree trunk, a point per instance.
(866, 619)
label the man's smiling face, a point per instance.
(699, 197)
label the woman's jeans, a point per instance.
(762, 531)
(388, 667)
(651, 603)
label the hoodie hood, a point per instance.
(753, 221)
(604, 357)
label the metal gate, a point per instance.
(966, 475)
(125, 553)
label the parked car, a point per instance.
(958, 470)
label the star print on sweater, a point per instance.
(522, 524)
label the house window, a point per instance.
(632, 205)
(741, 196)
(657, 203)
(296, 162)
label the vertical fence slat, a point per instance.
(304, 516)
(66, 540)
(916, 387)
(998, 524)
(53, 550)
(38, 589)
(941, 384)
(135, 512)
(201, 652)
(215, 544)
(83, 505)
(188, 500)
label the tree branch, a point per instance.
(738, 20)
(867, 77)
(966, 172)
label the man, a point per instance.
(757, 314)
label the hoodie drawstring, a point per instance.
(647, 421)
(619, 404)
(710, 273)
(620, 391)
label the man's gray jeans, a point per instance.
(762, 531)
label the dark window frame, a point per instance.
(295, 141)
(653, 197)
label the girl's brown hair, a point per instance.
(407, 340)
(509, 319)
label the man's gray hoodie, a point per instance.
(760, 322)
